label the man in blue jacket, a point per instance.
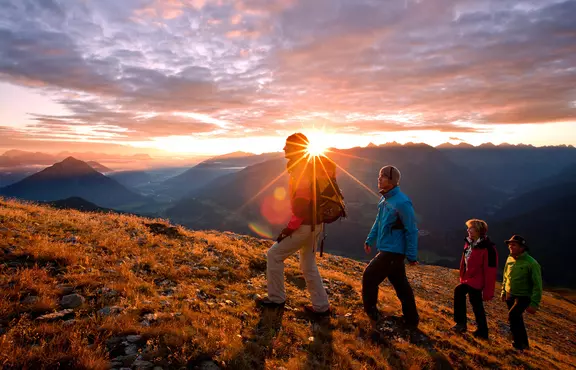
(395, 236)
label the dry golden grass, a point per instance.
(190, 295)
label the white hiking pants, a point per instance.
(302, 239)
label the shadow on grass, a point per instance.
(391, 330)
(259, 346)
(320, 351)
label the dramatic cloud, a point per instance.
(134, 70)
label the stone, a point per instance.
(134, 338)
(208, 365)
(69, 322)
(126, 360)
(31, 299)
(112, 310)
(131, 349)
(60, 315)
(114, 364)
(72, 301)
(142, 365)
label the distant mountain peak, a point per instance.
(69, 166)
(99, 167)
(450, 145)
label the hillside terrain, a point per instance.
(98, 291)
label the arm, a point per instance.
(536, 285)
(373, 234)
(490, 270)
(301, 199)
(406, 214)
(463, 263)
(503, 294)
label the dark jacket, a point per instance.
(480, 270)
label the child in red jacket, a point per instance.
(478, 269)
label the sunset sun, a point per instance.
(319, 143)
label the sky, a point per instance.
(205, 77)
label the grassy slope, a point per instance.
(189, 294)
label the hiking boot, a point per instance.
(311, 311)
(267, 303)
(411, 325)
(520, 347)
(480, 334)
(459, 328)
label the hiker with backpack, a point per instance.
(521, 288)
(478, 268)
(303, 230)
(395, 236)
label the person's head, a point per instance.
(295, 149)
(388, 178)
(296, 145)
(476, 228)
(516, 245)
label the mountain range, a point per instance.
(508, 186)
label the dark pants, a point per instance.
(391, 266)
(475, 297)
(517, 306)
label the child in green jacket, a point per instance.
(521, 288)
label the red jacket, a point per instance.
(300, 200)
(480, 270)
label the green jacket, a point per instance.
(523, 278)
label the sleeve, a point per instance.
(504, 275)
(406, 214)
(301, 200)
(463, 263)
(373, 234)
(490, 271)
(536, 285)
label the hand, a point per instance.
(286, 232)
(413, 263)
(531, 310)
(367, 248)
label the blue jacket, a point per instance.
(395, 227)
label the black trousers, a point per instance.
(391, 266)
(475, 297)
(516, 307)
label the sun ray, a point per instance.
(355, 179)
(351, 156)
(268, 185)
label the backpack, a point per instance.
(328, 201)
(329, 205)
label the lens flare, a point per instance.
(260, 230)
